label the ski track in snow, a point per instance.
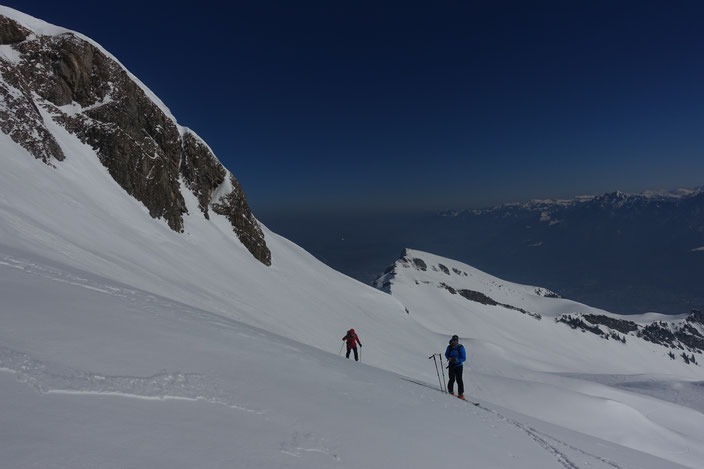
(535, 435)
(541, 439)
(574, 448)
(163, 385)
(538, 438)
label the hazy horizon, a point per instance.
(285, 210)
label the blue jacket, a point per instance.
(457, 352)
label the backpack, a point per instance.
(350, 336)
(460, 347)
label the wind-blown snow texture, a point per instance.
(125, 343)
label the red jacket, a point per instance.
(352, 339)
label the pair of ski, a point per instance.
(462, 398)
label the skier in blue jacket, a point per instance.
(456, 356)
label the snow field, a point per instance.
(181, 387)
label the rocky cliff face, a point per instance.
(68, 79)
(19, 115)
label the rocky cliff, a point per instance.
(66, 78)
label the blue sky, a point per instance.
(421, 106)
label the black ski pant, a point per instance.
(356, 357)
(455, 373)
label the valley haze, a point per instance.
(627, 253)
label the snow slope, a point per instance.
(99, 374)
(126, 344)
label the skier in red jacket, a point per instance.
(352, 341)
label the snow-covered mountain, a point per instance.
(149, 320)
(58, 81)
(416, 277)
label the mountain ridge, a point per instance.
(83, 88)
(681, 337)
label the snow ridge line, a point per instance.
(163, 385)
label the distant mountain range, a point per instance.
(610, 199)
(624, 252)
(627, 253)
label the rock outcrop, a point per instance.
(70, 80)
(234, 207)
(11, 32)
(686, 334)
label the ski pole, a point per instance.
(436, 363)
(439, 382)
(442, 368)
(436, 367)
(360, 353)
(341, 346)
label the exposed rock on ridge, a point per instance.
(21, 120)
(201, 171)
(68, 79)
(11, 32)
(687, 334)
(234, 206)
